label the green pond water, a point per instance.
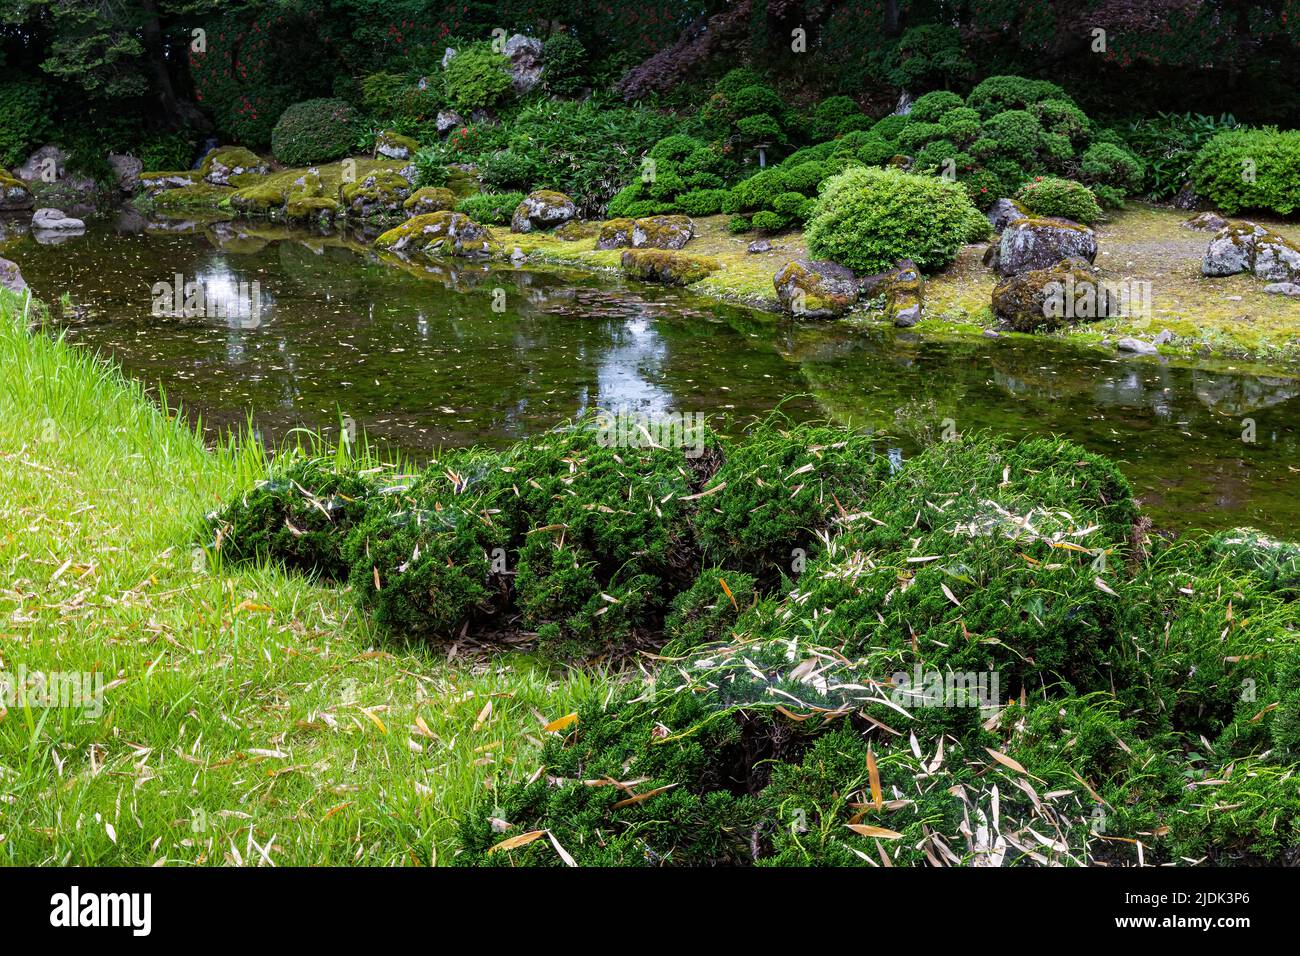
(428, 356)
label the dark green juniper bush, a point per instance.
(983, 660)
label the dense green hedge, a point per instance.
(1250, 169)
(315, 131)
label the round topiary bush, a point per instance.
(315, 131)
(1250, 169)
(476, 77)
(1049, 196)
(868, 219)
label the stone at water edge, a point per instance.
(903, 289)
(14, 194)
(828, 288)
(46, 158)
(429, 199)
(438, 233)
(1136, 346)
(651, 232)
(1042, 298)
(11, 276)
(667, 266)
(1030, 244)
(1283, 288)
(54, 219)
(543, 209)
(1205, 222)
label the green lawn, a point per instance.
(247, 717)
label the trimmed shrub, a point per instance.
(1250, 169)
(702, 202)
(1060, 197)
(315, 131)
(932, 107)
(1000, 93)
(868, 219)
(476, 77)
(564, 64)
(830, 115)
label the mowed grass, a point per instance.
(248, 717)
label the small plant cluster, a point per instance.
(1049, 196)
(1144, 706)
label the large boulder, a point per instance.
(381, 193)
(1062, 293)
(1004, 212)
(11, 277)
(1249, 247)
(651, 232)
(14, 194)
(56, 220)
(232, 166)
(439, 233)
(525, 54)
(1030, 244)
(543, 209)
(667, 266)
(902, 290)
(447, 121)
(815, 289)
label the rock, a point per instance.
(126, 170)
(525, 54)
(448, 55)
(1232, 250)
(543, 209)
(11, 276)
(1187, 198)
(1164, 337)
(652, 232)
(1060, 294)
(815, 289)
(905, 101)
(1205, 222)
(222, 165)
(576, 229)
(429, 199)
(1283, 288)
(447, 121)
(667, 266)
(14, 194)
(1248, 247)
(382, 193)
(904, 295)
(1276, 258)
(759, 245)
(54, 219)
(395, 146)
(1032, 244)
(156, 182)
(438, 233)
(47, 164)
(992, 334)
(1004, 212)
(1136, 346)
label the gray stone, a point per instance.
(525, 55)
(11, 276)
(1248, 247)
(543, 209)
(1031, 244)
(759, 245)
(47, 158)
(1205, 222)
(126, 170)
(1283, 288)
(447, 121)
(1164, 337)
(448, 55)
(1136, 346)
(54, 219)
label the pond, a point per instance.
(445, 355)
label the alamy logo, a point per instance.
(74, 909)
(208, 299)
(951, 689)
(83, 690)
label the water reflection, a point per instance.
(428, 354)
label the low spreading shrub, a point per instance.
(476, 78)
(1250, 169)
(493, 208)
(1065, 198)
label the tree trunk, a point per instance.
(176, 111)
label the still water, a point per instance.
(428, 356)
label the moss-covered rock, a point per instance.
(151, 183)
(667, 266)
(443, 233)
(1029, 244)
(650, 232)
(14, 194)
(1249, 247)
(1061, 294)
(815, 289)
(543, 209)
(395, 146)
(576, 230)
(232, 166)
(378, 194)
(429, 199)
